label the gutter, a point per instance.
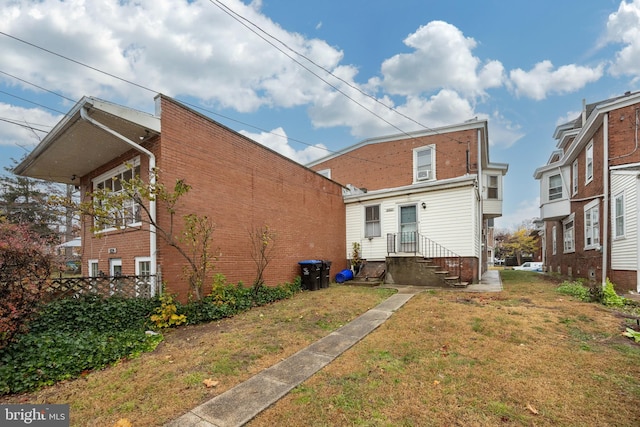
(153, 242)
(606, 191)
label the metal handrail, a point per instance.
(414, 242)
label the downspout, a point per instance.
(480, 182)
(605, 173)
(152, 181)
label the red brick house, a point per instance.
(428, 194)
(589, 195)
(235, 181)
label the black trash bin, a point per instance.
(326, 274)
(311, 274)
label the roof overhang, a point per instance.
(468, 180)
(75, 146)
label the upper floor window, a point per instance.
(568, 235)
(592, 225)
(589, 163)
(574, 177)
(555, 187)
(372, 221)
(618, 216)
(423, 163)
(126, 212)
(492, 187)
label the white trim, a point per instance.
(90, 263)
(614, 217)
(428, 175)
(567, 220)
(588, 207)
(587, 178)
(574, 178)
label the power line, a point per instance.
(24, 125)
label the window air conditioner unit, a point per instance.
(112, 250)
(424, 174)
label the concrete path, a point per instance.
(243, 402)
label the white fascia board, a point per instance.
(146, 120)
(411, 189)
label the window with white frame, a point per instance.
(592, 225)
(143, 266)
(372, 221)
(423, 163)
(492, 187)
(93, 268)
(554, 240)
(128, 214)
(574, 177)
(589, 163)
(618, 216)
(568, 235)
(555, 187)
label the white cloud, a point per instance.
(502, 132)
(442, 58)
(525, 211)
(31, 120)
(543, 80)
(277, 140)
(623, 27)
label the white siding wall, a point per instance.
(624, 251)
(450, 219)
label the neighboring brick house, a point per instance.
(589, 195)
(409, 191)
(235, 181)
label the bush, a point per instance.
(71, 336)
(25, 267)
(611, 298)
(575, 289)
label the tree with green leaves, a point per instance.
(519, 243)
(192, 240)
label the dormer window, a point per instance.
(424, 163)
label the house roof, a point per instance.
(594, 116)
(469, 124)
(76, 146)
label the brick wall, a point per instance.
(240, 185)
(390, 164)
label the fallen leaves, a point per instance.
(209, 382)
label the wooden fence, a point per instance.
(126, 286)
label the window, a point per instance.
(592, 225)
(589, 163)
(93, 268)
(372, 221)
(555, 187)
(129, 212)
(143, 266)
(574, 178)
(423, 161)
(325, 172)
(554, 240)
(568, 235)
(492, 187)
(618, 216)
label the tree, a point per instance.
(262, 246)
(25, 269)
(24, 201)
(520, 243)
(192, 242)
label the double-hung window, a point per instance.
(125, 212)
(554, 240)
(568, 235)
(555, 187)
(492, 187)
(424, 163)
(592, 225)
(618, 216)
(372, 221)
(589, 163)
(574, 178)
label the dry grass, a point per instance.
(164, 384)
(525, 356)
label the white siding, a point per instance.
(624, 251)
(450, 218)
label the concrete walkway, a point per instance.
(243, 402)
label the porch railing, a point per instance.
(414, 243)
(127, 286)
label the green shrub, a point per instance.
(611, 298)
(575, 289)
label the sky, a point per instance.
(310, 78)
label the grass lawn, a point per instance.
(524, 356)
